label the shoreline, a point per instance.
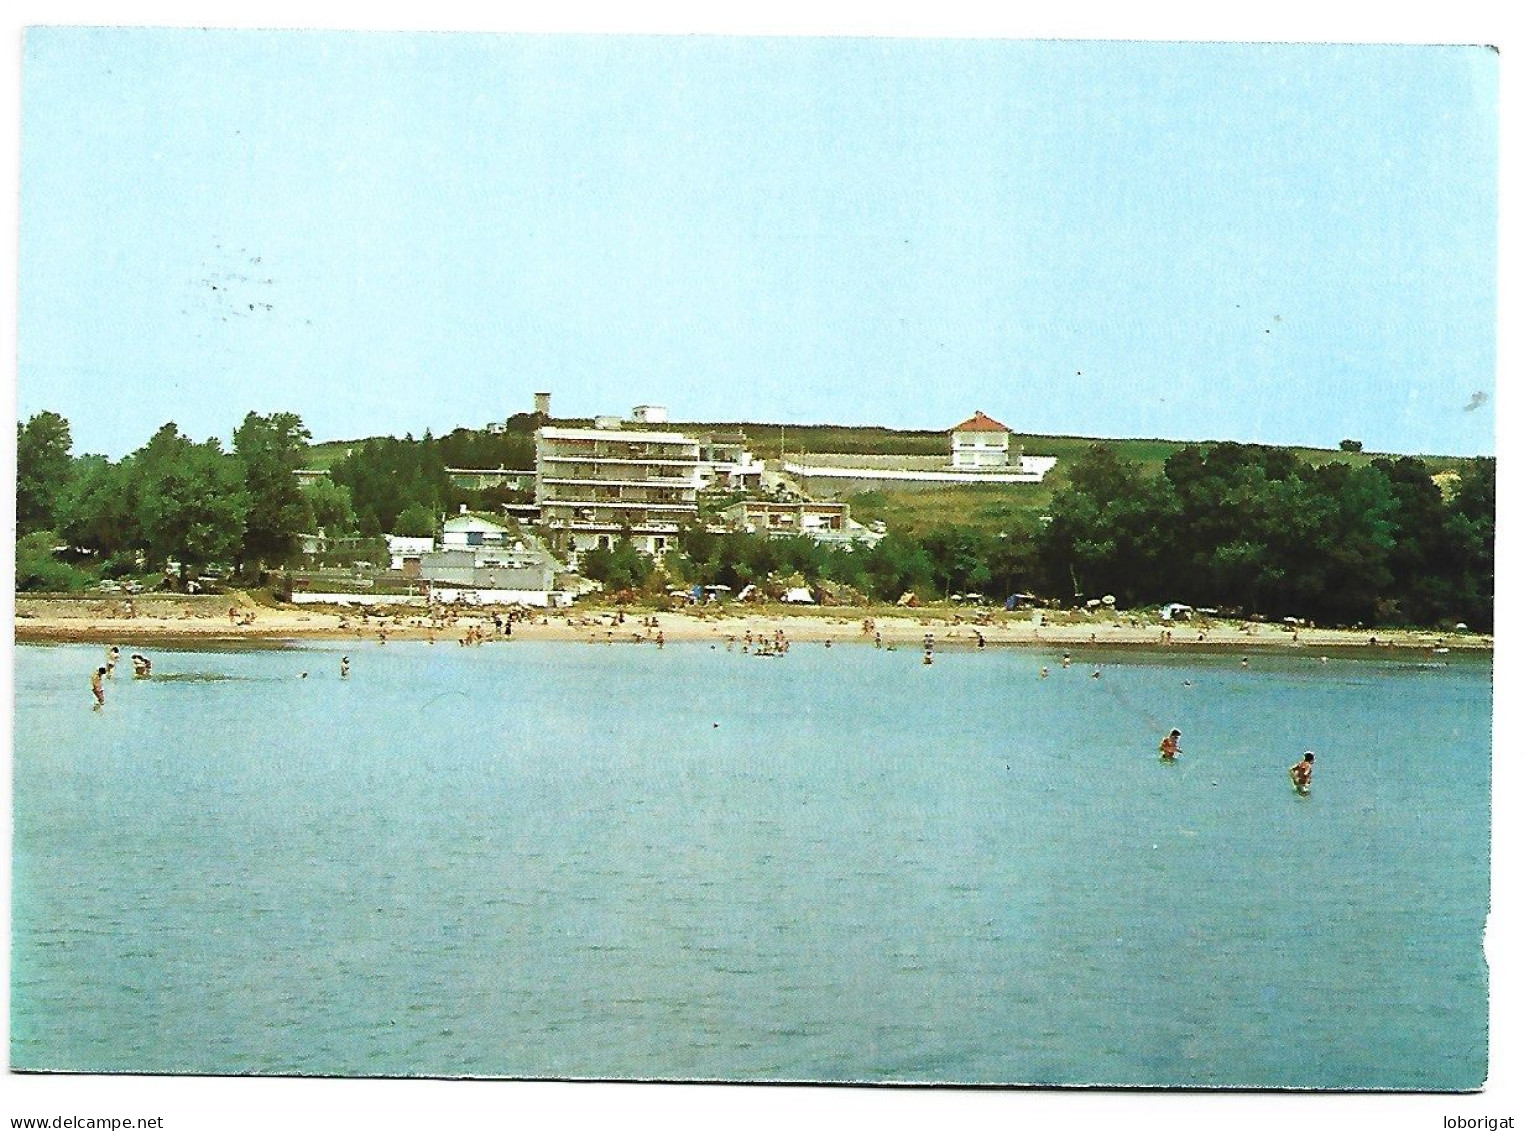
(205, 622)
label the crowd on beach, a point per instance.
(471, 625)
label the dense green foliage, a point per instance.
(173, 503)
(331, 507)
(43, 470)
(270, 450)
(1261, 530)
(197, 505)
(947, 560)
(619, 568)
(415, 522)
(190, 502)
(387, 476)
(38, 568)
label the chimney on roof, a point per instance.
(542, 404)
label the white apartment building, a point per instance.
(725, 462)
(594, 485)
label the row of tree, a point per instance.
(173, 500)
(1260, 529)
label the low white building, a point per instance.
(404, 550)
(826, 522)
(469, 531)
(511, 569)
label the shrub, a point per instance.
(39, 571)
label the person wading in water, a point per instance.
(1301, 774)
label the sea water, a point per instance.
(586, 861)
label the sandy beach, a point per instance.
(237, 618)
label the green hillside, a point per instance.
(322, 456)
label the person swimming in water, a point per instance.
(1169, 748)
(142, 666)
(1301, 774)
(344, 668)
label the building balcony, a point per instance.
(691, 483)
(563, 451)
(549, 505)
(584, 526)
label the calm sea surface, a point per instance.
(585, 861)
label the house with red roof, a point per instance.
(980, 442)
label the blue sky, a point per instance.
(391, 232)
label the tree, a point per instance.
(38, 571)
(191, 507)
(619, 568)
(43, 470)
(270, 449)
(960, 558)
(1471, 530)
(330, 507)
(385, 476)
(1106, 529)
(898, 564)
(1013, 563)
(1422, 554)
(1356, 542)
(1351, 445)
(415, 522)
(99, 511)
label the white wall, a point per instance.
(538, 598)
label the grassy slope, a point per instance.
(1007, 508)
(322, 456)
